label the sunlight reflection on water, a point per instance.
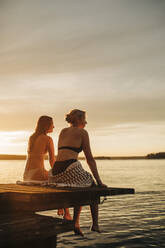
(128, 221)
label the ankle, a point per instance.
(78, 231)
(95, 228)
(76, 225)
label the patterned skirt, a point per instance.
(73, 176)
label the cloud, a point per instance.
(71, 37)
(108, 96)
(106, 57)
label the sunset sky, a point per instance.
(103, 56)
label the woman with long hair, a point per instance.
(68, 170)
(38, 146)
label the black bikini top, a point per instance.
(75, 149)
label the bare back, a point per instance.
(72, 137)
(37, 150)
(40, 146)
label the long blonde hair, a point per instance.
(42, 127)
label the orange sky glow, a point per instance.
(104, 57)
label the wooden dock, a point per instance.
(20, 225)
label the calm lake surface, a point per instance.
(126, 221)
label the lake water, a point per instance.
(126, 221)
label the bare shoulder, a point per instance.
(46, 138)
(84, 133)
(49, 138)
(63, 130)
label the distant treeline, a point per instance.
(160, 155)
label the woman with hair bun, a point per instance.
(39, 144)
(67, 170)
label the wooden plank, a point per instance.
(45, 190)
(26, 229)
(18, 230)
(34, 198)
(42, 202)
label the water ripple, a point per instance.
(126, 221)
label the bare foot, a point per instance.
(95, 229)
(78, 231)
(67, 216)
(60, 211)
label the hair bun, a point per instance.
(74, 115)
(68, 118)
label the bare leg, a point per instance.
(94, 213)
(60, 211)
(76, 219)
(67, 215)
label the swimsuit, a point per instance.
(61, 166)
(75, 149)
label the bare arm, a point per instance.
(51, 152)
(89, 157)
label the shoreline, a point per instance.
(23, 157)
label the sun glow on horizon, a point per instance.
(136, 139)
(13, 142)
(16, 142)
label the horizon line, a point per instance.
(24, 157)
